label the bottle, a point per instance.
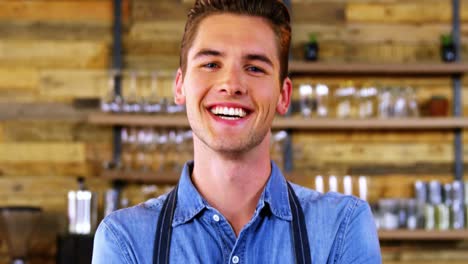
(457, 209)
(311, 49)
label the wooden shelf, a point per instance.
(317, 68)
(144, 177)
(372, 124)
(139, 120)
(423, 235)
(180, 121)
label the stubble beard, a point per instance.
(230, 147)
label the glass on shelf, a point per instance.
(308, 102)
(110, 101)
(345, 101)
(129, 146)
(154, 104)
(131, 103)
(386, 108)
(322, 93)
(367, 97)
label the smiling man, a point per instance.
(232, 203)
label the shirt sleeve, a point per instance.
(107, 248)
(360, 243)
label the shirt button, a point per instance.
(216, 218)
(235, 259)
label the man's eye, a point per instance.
(255, 69)
(211, 65)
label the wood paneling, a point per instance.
(71, 11)
(432, 11)
(54, 54)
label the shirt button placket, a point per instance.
(235, 259)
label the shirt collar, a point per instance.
(190, 202)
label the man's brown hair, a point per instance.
(273, 11)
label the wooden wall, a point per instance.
(55, 52)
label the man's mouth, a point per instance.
(229, 113)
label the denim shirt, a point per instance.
(341, 229)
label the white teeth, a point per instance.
(229, 112)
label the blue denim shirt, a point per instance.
(341, 229)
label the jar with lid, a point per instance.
(345, 101)
(367, 101)
(385, 103)
(308, 102)
(321, 91)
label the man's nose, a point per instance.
(232, 83)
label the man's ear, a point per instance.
(284, 99)
(179, 93)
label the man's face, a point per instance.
(231, 87)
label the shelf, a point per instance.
(317, 68)
(448, 123)
(180, 121)
(423, 235)
(139, 120)
(144, 177)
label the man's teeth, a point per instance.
(229, 112)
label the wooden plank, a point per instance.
(423, 235)
(297, 67)
(319, 12)
(403, 153)
(46, 168)
(145, 177)
(161, 31)
(42, 152)
(51, 54)
(13, 30)
(391, 33)
(14, 78)
(71, 11)
(403, 12)
(293, 123)
(162, 10)
(156, 62)
(69, 84)
(42, 111)
(38, 131)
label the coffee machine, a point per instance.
(17, 224)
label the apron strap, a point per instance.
(300, 235)
(162, 241)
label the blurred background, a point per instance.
(87, 123)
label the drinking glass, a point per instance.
(131, 104)
(322, 92)
(154, 103)
(110, 101)
(308, 101)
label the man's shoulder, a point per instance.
(143, 213)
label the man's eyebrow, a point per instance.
(207, 52)
(259, 57)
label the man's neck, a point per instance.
(232, 185)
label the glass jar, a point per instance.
(345, 101)
(389, 212)
(321, 91)
(385, 103)
(308, 102)
(367, 102)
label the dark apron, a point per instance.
(162, 241)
